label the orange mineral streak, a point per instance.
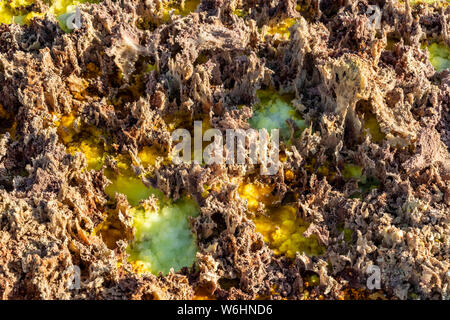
(202, 293)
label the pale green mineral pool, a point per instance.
(273, 110)
(163, 239)
(439, 56)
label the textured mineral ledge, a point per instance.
(88, 188)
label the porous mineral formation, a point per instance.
(359, 89)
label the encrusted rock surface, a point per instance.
(210, 62)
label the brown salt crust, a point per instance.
(332, 61)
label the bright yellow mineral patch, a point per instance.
(82, 138)
(283, 231)
(280, 226)
(66, 128)
(92, 151)
(439, 56)
(9, 9)
(282, 28)
(125, 181)
(182, 8)
(148, 155)
(255, 194)
(240, 13)
(289, 175)
(16, 11)
(90, 141)
(163, 238)
(60, 7)
(26, 18)
(189, 6)
(77, 87)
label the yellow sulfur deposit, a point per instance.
(90, 141)
(184, 9)
(149, 154)
(280, 226)
(9, 9)
(163, 240)
(163, 13)
(60, 7)
(92, 151)
(128, 184)
(188, 7)
(256, 194)
(26, 18)
(282, 28)
(272, 112)
(18, 11)
(371, 125)
(82, 138)
(439, 56)
(283, 231)
(66, 129)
